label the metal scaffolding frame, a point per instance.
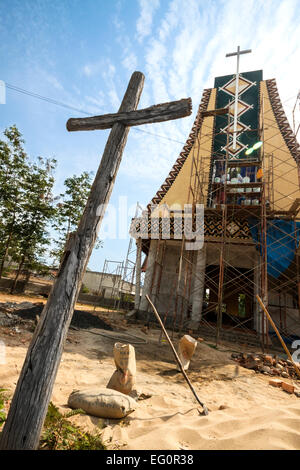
(224, 279)
(114, 270)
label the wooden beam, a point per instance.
(295, 206)
(158, 113)
(34, 388)
(215, 112)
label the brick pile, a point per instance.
(266, 364)
(271, 365)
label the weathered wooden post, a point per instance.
(137, 298)
(29, 405)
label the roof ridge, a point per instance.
(282, 121)
(185, 151)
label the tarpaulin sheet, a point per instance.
(281, 245)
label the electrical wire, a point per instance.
(64, 105)
(45, 98)
(79, 110)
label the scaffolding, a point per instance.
(118, 277)
(231, 204)
(110, 282)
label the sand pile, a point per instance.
(245, 412)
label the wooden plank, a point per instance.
(238, 185)
(34, 388)
(295, 206)
(158, 113)
(240, 163)
(215, 112)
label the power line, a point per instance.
(64, 105)
(44, 98)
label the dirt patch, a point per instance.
(81, 319)
(245, 412)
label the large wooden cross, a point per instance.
(236, 94)
(34, 388)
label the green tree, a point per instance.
(37, 211)
(13, 169)
(70, 209)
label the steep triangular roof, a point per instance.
(260, 103)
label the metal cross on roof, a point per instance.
(237, 53)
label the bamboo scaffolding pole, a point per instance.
(205, 410)
(278, 334)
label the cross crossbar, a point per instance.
(158, 113)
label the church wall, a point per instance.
(288, 318)
(285, 179)
(166, 282)
(236, 255)
(179, 191)
(161, 286)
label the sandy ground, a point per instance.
(245, 411)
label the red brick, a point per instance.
(269, 359)
(288, 387)
(275, 382)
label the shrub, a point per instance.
(60, 434)
(85, 289)
(3, 398)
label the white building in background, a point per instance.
(107, 285)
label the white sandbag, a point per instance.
(186, 349)
(123, 379)
(102, 402)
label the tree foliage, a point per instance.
(70, 209)
(29, 211)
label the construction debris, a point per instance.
(288, 387)
(266, 364)
(275, 382)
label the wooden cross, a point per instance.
(34, 388)
(236, 96)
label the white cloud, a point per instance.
(87, 70)
(54, 82)
(183, 55)
(130, 61)
(144, 22)
(92, 68)
(170, 21)
(188, 51)
(97, 101)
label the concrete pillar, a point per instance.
(199, 282)
(144, 306)
(137, 298)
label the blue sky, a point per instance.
(83, 52)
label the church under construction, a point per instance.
(241, 164)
